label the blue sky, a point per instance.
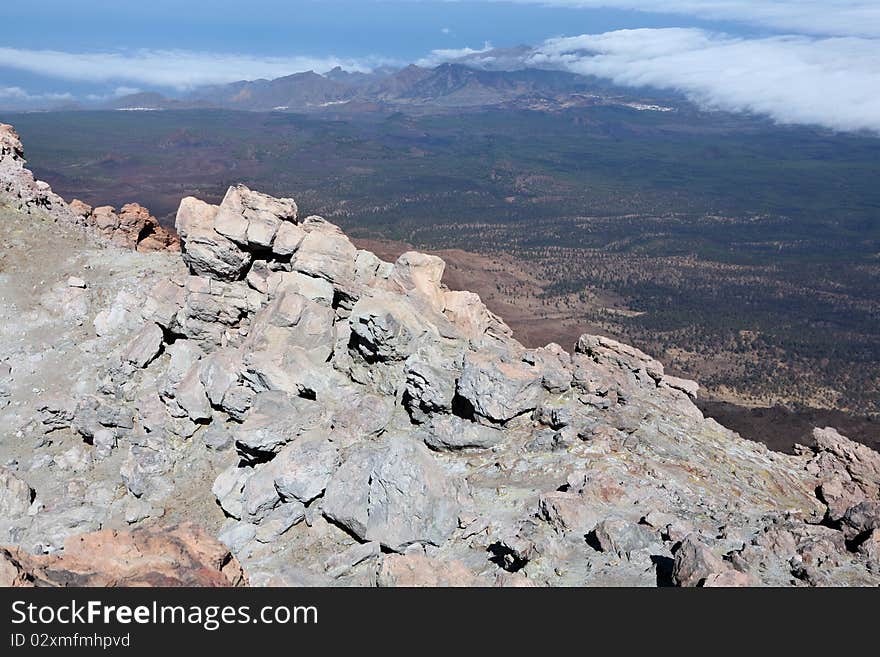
(795, 60)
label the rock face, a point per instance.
(18, 187)
(181, 556)
(132, 227)
(336, 419)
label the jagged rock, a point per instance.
(218, 437)
(419, 275)
(80, 209)
(56, 413)
(252, 219)
(621, 537)
(304, 468)
(15, 495)
(431, 376)
(145, 346)
(314, 289)
(288, 239)
(470, 316)
(385, 328)
(861, 519)
(181, 556)
(690, 388)
(191, 396)
(447, 432)
(205, 251)
(164, 303)
(18, 186)
(499, 390)
(218, 372)
(848, 472)
(275, 419)
(133, 227)
(568, 512)
(280, 519)
(393, 493)
(237, 535)
(869, 548)
(695, 563)
(342, 563)
(325, 252)
(228, 488)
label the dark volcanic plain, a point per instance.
(743, 254)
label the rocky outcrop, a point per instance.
(18, 188)
(133, 227)
(180, 556)
(339, 419)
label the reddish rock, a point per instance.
(180, 556)
(133, 227)
(80, 209)
(848, 473)
(411, 570)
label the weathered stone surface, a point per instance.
(18, 187)
(695, 563)
(386, 328)
(275, 419)
(144, 347)
(861, 519)
(304, 468)
(419, 275)
(205, 251)
(621, 537)
(342, 563)
(409, 570)
(569, 512)
(499, 390)
(393, 493)
(447, 432)
(431, 376)
(325, 252)
(15, 495)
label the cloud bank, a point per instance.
(817, 17)
(176, 69)
(19, 95)
(451, 54)
(834, 82)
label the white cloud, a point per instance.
(820, 17)
(18, 94)
(445, 30)
(179, 69)
(833, 82)
(450, 54)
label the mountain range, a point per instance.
(447, 86)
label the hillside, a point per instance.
(336, 419)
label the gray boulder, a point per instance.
(499, 389)
(450, 433)
(304, 467)
(392, 492)
(15, 495)
(205, 251)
